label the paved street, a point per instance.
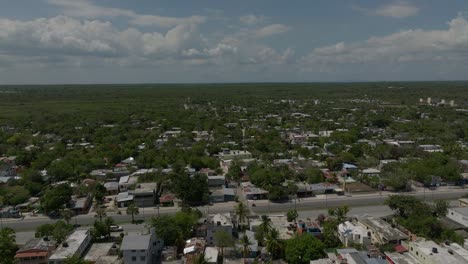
(312, 206)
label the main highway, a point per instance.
(310, 205)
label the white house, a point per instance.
(459, 215)
(350, 233)
(140, 248)
(75, 245)
(217, 223)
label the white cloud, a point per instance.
(410, 45)
(399, 9)
(87, 9)
(161, 21)
(68, 36)
(271, 30)
(251, 19)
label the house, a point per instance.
(459, 215)
(312, 228)
(112, 188)
(144, 194)
(123, 199)
(429, 252)
(9, 212)
(431, 148)
(8, 167)
(351, 233)
(193, 248)
(126, 181)
(222, 195)
(216, 181)
(166, 200)
(80, 205)
(75, 245)
(141, 248)
(35, 251)
(234, 154)
(98, 250)
(215, 223)
(251, 192)
(380, 232)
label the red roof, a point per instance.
(400, 249)
(166, 198)
(32, 254)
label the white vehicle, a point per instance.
(116, 228)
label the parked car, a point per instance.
(116, 228)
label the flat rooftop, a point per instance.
(383, 228)
(97, 250)
(74, 241)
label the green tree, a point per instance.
(440, 208)
(133, 210)
(292, 215)
(100, 213)
(263, 229)
(66, 215)
(61, 231)
(56, 198)
(273, 244)
(99, 192)
(223, 239)
(339, 213)
(245, 243)
(301, 249)
(7, 245)
(242, 213)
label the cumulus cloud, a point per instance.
(394, 10)
(87, 9)
(271, 30)
(251, 19)
(69, 36)
(404, 46)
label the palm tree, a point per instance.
(245, 242)
(100, 212)
(242, 212)
(67, 215)
(133, 210)
(265, 226)
(7, 245)
(273, 244)
(200, 259)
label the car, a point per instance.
(116, 228)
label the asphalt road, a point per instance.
(323, 202)
(315, 205)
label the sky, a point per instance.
(210, 41)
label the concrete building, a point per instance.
(379, 231)
(234, 154)
(251, 192)
(126, 181)
(144, 194)
(75, 245)
(351, 233)
(98, 250)
(459, 215)
(216, 223)
(141, 248)
(211, 255)
(35, 251)
(216, 181)
(428, 252)
(112, 188)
